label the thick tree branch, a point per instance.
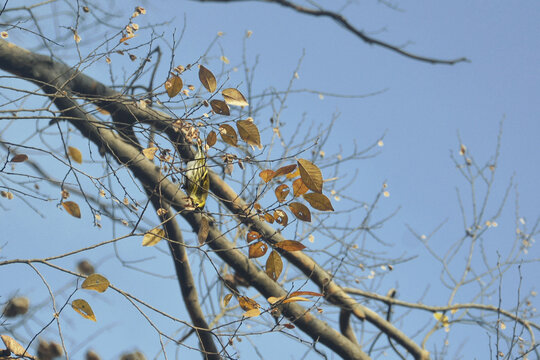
(341, 20)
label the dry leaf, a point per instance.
(274, 265)
(19, 158)
(257, 250)
(311, 175)
(207, 79)
(14, 347)
(234, 97)
(72, 208)
(267, 175)
(75, 154)
(249, 133)
(290, 245)
(211, 139)
(83, 308)
(152, 237)
(299, 188)
(204, 229)
(252, 235)
(228, 134)
(227, 299)
(281, 192)
(150, 152)
(300, 211)
(220, 107)
(281, 217)
(285, 170)
(252, 313)
(96, 282)
(173, 86)
(319, 201)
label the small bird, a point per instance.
(196, 181)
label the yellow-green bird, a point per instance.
(197, 181)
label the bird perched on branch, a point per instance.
(196, 181)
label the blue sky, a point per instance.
(421, 111)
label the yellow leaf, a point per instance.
(174, 86)
(207, 79)
(442, 318)
(249, 133)
(14, 347)
(228, 134)
(299, 188)
(150, 152)
(252, 313)
(19, 158)
(272, 299)
(224, 59)
(274, 265)
(293, 174)
(75, 154)
(126, 38)
(227, 299)
(72, 208)
(234, 97)
(311, 175)
(257, 250)
(319, 201)
(290, 245)
(300, 211)
(312, 293)
(220, 107)
(83, 308)
(281, 192)
(281, 217)
(152, 237)
(211, 139)
(269, 218)
(267, 175)
(96, 282)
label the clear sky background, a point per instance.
(421, 111)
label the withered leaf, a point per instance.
(228, 134)
(299, 188)
(14, 347)
(281, 192)
(234, 97)
(319, 201)
(83, 308)
(252, 235)
(72, 208)
(19, 158)
(227, 299)
(211, 139)
(153, 237)
(300, 211)
(204, 229)
(220, 107)
(267, 175)
(281, 217)
(290, 245)
(257, 250)
(173, 86)
(75, 154)
(249, 133)
(207, 79)
(285, 170)
(96, 282)
(274, 265)
(311, 175)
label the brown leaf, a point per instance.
(83, 308)
(257, 250)
(299, 188)
(207, 79)
(228, 134)
(289, 326)
(293, 174)
(126, 38)
(252, 235)
(294, 299)
(252, 313)
(19, 158)
(204, 229)
(247, 303)
(150, 152)
(269, 218)
(319, 201)
(220, 107)
(234, 97)
(300, 211)
(281, 192)
(274, 265)
(72, 208)
(211, 139)
(267, 175)
(285, 170)
(249, 133)
(311, 175)
(290, 245)
(173, 86)
(75, 154)
(281, 217)
(96, 282)
(14, 347)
